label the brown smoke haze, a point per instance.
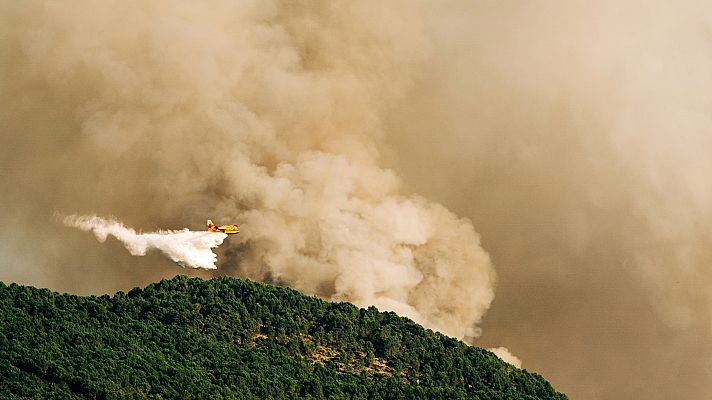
(576, 136)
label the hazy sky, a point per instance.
(532, 175)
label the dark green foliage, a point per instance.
(229, 338)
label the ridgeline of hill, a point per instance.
(228, 338)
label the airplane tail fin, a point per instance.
(210, 223)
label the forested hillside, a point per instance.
(230, 338)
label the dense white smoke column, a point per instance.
(184, 247)
(339, 229)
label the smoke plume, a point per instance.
(266, 114)
(186, 248)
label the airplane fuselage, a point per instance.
(227, 229)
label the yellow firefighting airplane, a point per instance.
(228, 229)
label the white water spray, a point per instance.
(185, 247)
